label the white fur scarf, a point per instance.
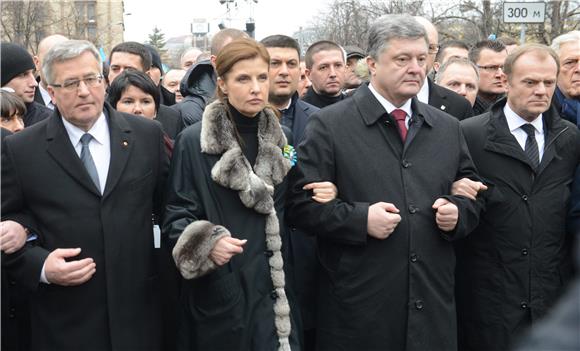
(255, 187)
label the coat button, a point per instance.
(419, 304)
(268, 253)
(405, 164)
(524, 251)
(413, 257)
(413, 209)
(293, 229)
(274, 295)
(13, 282)
(525, 197)
(524, 304)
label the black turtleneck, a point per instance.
(321, 101)
(248, 129)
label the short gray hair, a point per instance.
(462, 61)
(565, 38)
(64, 51)
(392, 26)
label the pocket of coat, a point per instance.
(218, 297)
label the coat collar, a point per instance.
(371, 110)
(501, 140)
(63, 152)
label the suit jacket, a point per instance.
(296, 117)
(46, 188)
(382, 293)
(449, 101)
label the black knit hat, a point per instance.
(155, 58)
(14, 60)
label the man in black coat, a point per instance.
(132, 55)
(198, 87)
(18, 75)
(86, 181)
(326, 69)
(515, 265)
(284, 77)
(386, 262)
(433, 94)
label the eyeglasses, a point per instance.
(433, 48)
(491, 68)
(73, 84)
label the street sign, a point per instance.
(524, 12)
(199, 26)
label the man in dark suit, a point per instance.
(132, 55)
(86, 181)
(433, 94)
(386, 260)
(284, 78)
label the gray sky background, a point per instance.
(174, 17)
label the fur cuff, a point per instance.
(191, 252)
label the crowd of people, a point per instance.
(416, 195)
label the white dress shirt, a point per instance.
(100, 145)
(423, 94)
(45, 97)
(514, 124)
(389, 107)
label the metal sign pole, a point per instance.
(523, 34)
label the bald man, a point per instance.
(41, 94)
(433, 94)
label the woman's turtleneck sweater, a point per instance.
(248, 129)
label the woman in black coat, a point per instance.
(225, 208)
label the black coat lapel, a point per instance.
(60, 148)
(121, 146)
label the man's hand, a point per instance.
(467, 187)
(12, 236)
(58, 271)
(323, 192)
(447, 214)
(383, 218)
(225, 248)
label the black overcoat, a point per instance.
(46, 188)
(393, 294)
(513, 267)
(230, 308)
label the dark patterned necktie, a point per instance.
(400, 116)
(531, 148)
(87, 160)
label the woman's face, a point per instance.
(136, 101)
(246, 86)
(13, 122)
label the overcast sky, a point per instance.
(174, 17)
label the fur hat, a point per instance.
(14, 60)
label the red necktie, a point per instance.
(400, 116)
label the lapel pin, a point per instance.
(125, 143)
(442, 107)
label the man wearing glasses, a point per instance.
(432, 94)
(85, 181)
(489, 56)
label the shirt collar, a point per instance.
(514, 121)
(423, 94)
(389, 107)
(99, 130)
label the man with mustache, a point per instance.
(489, 57)
(515, 265)
(326, 69)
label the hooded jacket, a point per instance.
(198, 88)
